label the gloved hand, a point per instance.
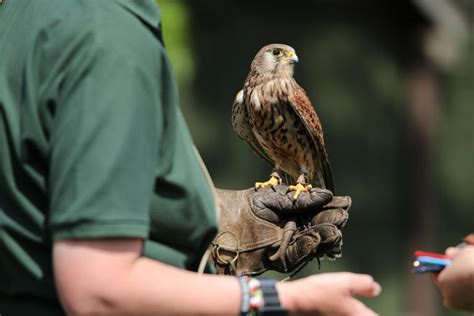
(266, 230)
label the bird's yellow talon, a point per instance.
(271, 182)
(298, 188)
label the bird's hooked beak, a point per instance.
(292, 58)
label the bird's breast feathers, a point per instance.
(269, 93)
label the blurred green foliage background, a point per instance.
(393, 84)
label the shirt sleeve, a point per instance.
(106, 129)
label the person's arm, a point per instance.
(456, 281)
(110, 277)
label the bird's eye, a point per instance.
(276, 52)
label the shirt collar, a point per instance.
(146, 10)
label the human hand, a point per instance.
(267, 229)
(328, 294)
(456, 281)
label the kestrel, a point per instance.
(276, 118)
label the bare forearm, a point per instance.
(142, 289)
(137, 285)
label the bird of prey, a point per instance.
(276, 118)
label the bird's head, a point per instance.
(275, 59)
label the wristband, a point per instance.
(260, 297)
(245, 303)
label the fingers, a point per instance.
(337, 217)
(313, 200)
(434, 278)
(363, 285)
(329, 294)
(452, 251)
(357, 308)
(342, 202)
(278, 199)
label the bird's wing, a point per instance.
(241, 125)
(300, 102)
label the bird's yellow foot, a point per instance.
(271, 182)
(298, 188)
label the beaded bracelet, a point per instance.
(259, 297)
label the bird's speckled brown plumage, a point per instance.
(274, 115)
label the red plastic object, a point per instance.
(419, 253)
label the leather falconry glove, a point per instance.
(268, 230)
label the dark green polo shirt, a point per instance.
(92, 142)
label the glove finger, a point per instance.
(337, 217)
(305, 246)
(344, 202)
(331, 240)
(329, 233)
(313, 200)
(279, 200)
